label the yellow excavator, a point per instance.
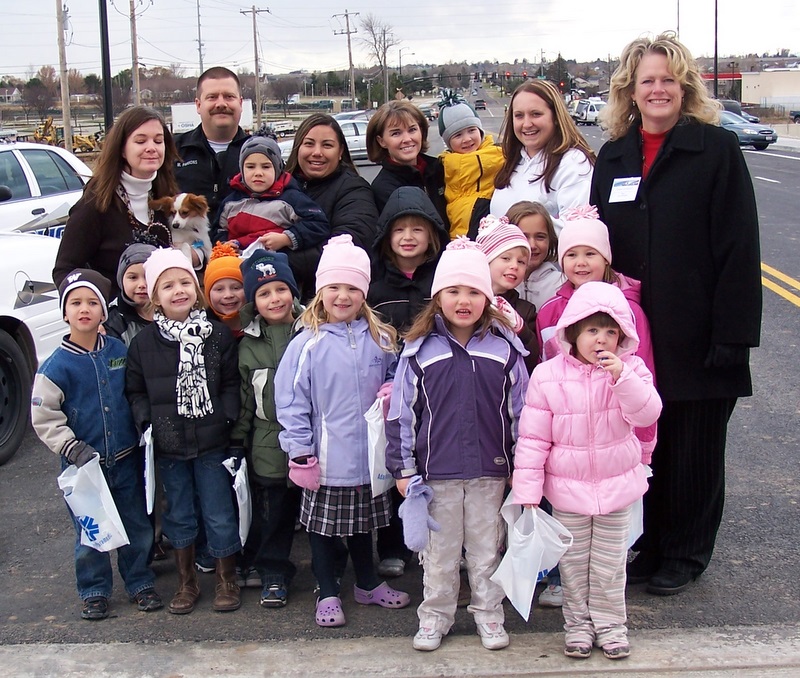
(48, 133)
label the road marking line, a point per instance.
(772, 181)
(775, 273)
(780, 291)
(772, 155)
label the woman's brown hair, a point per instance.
(312, 121)
(390, 113)
(565, 135)
(102, 187)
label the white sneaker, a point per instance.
(552, 596)
(427, 639)
(493, 636)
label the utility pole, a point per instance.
(137, 92)
(62, 63)
(255, 12)
(348, 32)
(199, 39)
(385, 69)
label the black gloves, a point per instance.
(80, 454)
(727, 355)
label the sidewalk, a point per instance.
(712, 652)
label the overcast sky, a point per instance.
(299, 34)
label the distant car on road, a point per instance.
(587, 111)
(352, 115)
(35, 179)
(795, 116)
(479, 105)
(749, 133)
(355, 134)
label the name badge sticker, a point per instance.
(624, 189)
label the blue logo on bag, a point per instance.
(542, 575)
(89, 526)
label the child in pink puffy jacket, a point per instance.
(577, 447)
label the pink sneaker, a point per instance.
(383, 595)
(329, 612)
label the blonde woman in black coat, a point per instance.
(676, 194)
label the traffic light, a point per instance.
(561, 86)
(524, 74)
(508, 75)
(459, 76)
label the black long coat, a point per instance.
(691, 237)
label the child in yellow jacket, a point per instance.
(470, 165)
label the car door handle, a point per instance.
(38, 211)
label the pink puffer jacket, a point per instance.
(576, 435)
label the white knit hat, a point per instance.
(463, 263)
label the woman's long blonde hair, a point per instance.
(384, 334)
(620, 113)
(424, 322)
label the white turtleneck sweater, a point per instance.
(138, 191)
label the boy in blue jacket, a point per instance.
(78, 409)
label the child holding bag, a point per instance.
(78, 410)
(267, 318)
(457, 396)
(183, 377)
(327, 379)
(578, 448)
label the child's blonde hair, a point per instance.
(530, 208)
(315, 315)
(424, 322)
(198, 305)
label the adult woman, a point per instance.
(134, 166)
(320, 162)
(547, 159)
(677, 197)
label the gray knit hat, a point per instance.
(133, 254)
(265, 145)
(453, 117)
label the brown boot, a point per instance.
(188, 590)
(227, 596)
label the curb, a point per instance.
(722, 651)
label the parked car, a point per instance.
(479, 105)
(750, 134)
(355, 134)
(430, 111)
(795, 116)
(35, 180)
(587, 111)
(352, 115)
(31, 327)
(735, 107)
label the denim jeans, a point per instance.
(212, 483)
(93, 568)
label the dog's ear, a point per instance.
(197, 203)
(165, 205)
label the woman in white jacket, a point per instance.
(547, 159)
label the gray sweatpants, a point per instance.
(469, 514)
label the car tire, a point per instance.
(15, 396)
(760, 147)
(797, 120)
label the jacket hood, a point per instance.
(410, 200)
(253, 323)
(594, 297)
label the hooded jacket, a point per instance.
(468, 179)
(454, 409)
(577, 444)
(283, 208)
(394, 295)
(325, 383)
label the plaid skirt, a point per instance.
(344, 511)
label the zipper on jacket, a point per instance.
(480, 172)
(351, 337)
(592, 444)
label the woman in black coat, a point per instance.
(676, 194)
(320, 162)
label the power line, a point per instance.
(255, 12)
(348, 32)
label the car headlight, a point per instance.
(747, 130)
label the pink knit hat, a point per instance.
(462, 263)
(582, 226)
(159, 261)
(496, 235)
(342, 262)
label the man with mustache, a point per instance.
(209, 154)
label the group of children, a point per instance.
(481, 391)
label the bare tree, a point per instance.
(41, 91)
(379, 38)
(283, 88)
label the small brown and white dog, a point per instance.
(188, 221)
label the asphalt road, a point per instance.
(752, 579)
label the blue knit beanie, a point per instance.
(263, 267)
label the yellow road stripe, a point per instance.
(780, 291)
(775, 273)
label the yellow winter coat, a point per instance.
(467, 178)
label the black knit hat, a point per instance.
(133, 254)
(84, 277)
(263, 267)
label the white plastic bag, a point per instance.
(536, 542)
(637, 514)
(241, 488)
(88, 497)
(149, 469)
(380, 479)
